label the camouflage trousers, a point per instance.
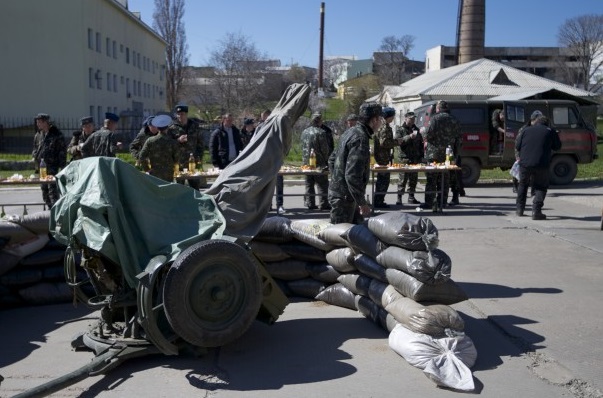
(412, 179)
(50, 193)
(381, 185)
(322, 185)
(344, 211)
(434, 187)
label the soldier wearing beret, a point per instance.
(160, 150)
(349, 165)
(147, 131)
(103, 142)
(383, 144)
(51, 148)
(80, 137)
(187, 133)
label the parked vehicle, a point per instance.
(578, 138)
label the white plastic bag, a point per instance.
(514, 171)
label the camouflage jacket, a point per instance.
(349, 165)
(315, 138)
(162, 153)
(443, 130)
(411, 149)
(138, 142)
(383, 143)
(51, 148)
(101, 143)
(193, 144)
(74, 145)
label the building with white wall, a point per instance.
(71, 58)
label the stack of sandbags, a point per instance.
(31, 264)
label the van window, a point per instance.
(469, 116)
(564, 116)
(516, 113)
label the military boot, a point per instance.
(412, 200)
(519, 211)
(399, 200)
(538, 215)
(455, 199)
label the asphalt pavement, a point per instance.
(534, 315)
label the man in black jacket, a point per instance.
(535, 146)
(225, 143)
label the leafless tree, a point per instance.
(583, 36)
(238, 76)
(390, 62)
(167, 20)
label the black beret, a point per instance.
(388, 112)
(86, 120)
(181, 108)
(248, 121)
(112, 116)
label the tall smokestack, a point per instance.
(471, 30)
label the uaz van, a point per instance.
(579, 141)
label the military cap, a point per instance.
(442, 104)
(388, 112)
(369, 110)
(86, 120)
(43, 116)
(248, 121)
(410, 114)
(161, 121)
(351, 117)
(182, 108)
(112, 116)
(147, 121)
(535, 115)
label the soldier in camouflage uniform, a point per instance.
(187, 134)
(160, 150)
(51, 148)
(349, 165)
(383, 144)
(315, 138)
(444, 129)
(410, 151)
(147, 131)
(103, 142)
(79, 138)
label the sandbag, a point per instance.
(446, 361)
(275, 229)
(405, 230)
(307, 288)
(362, 240)
(368, 308)
(7, 262)
(338, 295)
(21, 277)
(444, 293)
(268, 251)
(38, 222)
(322, 272)
(302, 251)
(54, 274)
(47, 293)
(342, 259)
(383, 294)
(25, 248)
(333, 234)
(356, 283)
(288, 270)
(370, 267)
(430, 267)
(437, 320)
(43, 258)
(307, 231)
(14, 232)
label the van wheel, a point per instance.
(563, 170)
(471, 171)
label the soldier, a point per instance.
(103, 142)
(383, 143)
(444, 129)
(410, 152)
(349, 165)
(247, 131)
(225, 143)
(314, 138)
(160, 150)
(80, 137)
(187, 133)
(497, 136)
(52, 149)
(351, 120)
(146, 132)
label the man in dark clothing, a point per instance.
(535, 146)
(314, 140)
(79, 137)
(53, 150)
(410, 152)
(187, 133)
(103, 142)
(349, 165)
(225, 143)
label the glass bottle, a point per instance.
(448, 156)
(191, 164)
(312, 161)
(372, 161)
(43, 170)
(176, 169)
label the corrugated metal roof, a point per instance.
(473, 79)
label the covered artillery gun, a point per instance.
(167, 266)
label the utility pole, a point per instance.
(320, 55)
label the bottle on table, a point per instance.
(192, 165)
(176, 169)
(43, 169)
(448, 156)
(312, 161)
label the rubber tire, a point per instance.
(563, 170)
(212, 293)
(471, 171)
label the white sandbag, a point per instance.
(333, 234)
(338, 295)
(38, 222)
(308, 231)
(275, 229)
(405, 230)
(287, 270)
(322, 272)
(430, 267)
(25, 248)
(342, 259)
(446, 361)
(268, 251)
(362, 240)
(356, 283)
(444, 293)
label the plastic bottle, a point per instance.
(43, 170)
(191, 164)
(312, 161)
(448, 156)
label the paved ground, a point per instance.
(534, 315)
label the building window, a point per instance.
(90, 39)
(99, 115)
(99, 79)
(90, 77)
(139, 91)
(114, 49)
(138, 60)
(127, 55)
(128, 91)
(133, 58)
(98, 42)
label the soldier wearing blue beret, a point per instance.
(160, 151)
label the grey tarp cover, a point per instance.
(245, 187)
(128, 216)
